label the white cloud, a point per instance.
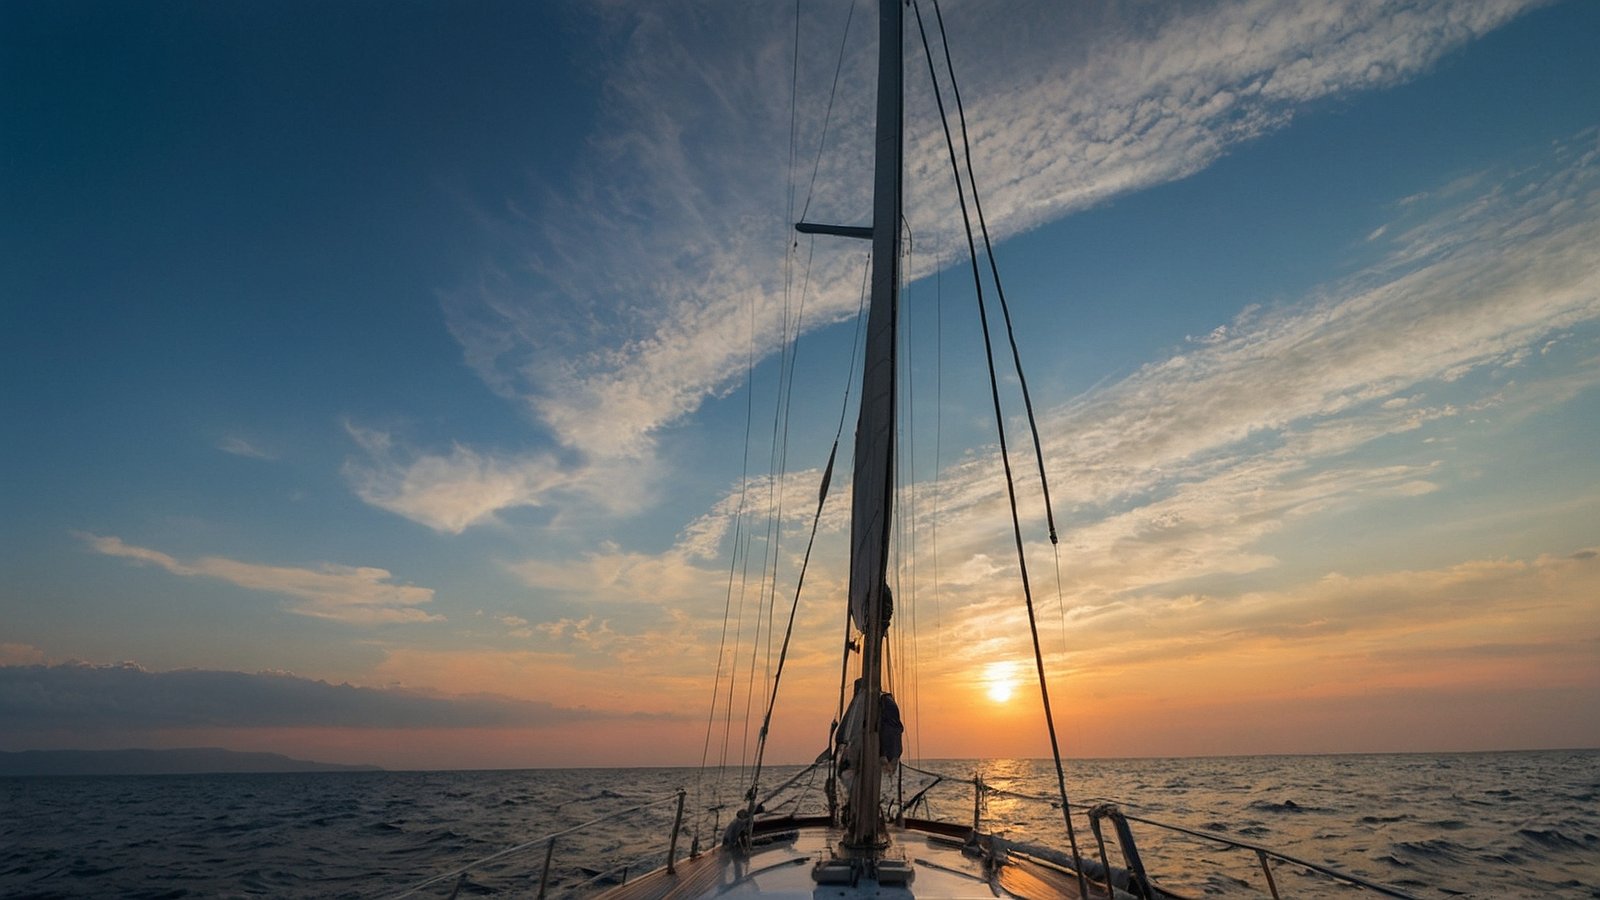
(1126, 96)
(239, 446)
(454, 491)
(359, 595)
(450, 492)
(653, 288)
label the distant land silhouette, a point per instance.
(187, 761)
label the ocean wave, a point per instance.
(1554, 839)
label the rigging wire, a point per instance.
(775, 513)
(783, 653)
(911, 660)
(790, 330)
(777, 463)
(786, 379)
(1005, 311)
(794, 111)
(740, 548)
(735, 558)
(716, 690)
(938, 438)
(827, 116)
(1005, 459)
(738, 636)
(994, 266)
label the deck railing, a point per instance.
(548, 841)
(1264, 855)
(1133, 864)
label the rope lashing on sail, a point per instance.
(999, 415)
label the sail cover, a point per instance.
(873, 487)
(871, 501)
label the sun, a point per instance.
(1002, 680)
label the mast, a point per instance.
(872, 501)
(872, 489)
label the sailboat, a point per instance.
(858, 849)
(865, 846)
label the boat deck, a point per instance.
(781, 862)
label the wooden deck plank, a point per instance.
(693, 878)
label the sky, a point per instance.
(443, 386)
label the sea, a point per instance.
(1505, 824)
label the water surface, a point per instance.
(1436, 825)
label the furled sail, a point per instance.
(873, 494)
(873, 489)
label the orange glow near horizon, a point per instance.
(1244, 676)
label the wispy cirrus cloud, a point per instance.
(1182, 469)
(358, 595)
(1136, 96)
(239, 446)
(657, 277)
(620, 304)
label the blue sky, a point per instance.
(412, 348)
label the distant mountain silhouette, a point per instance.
(187, 761)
